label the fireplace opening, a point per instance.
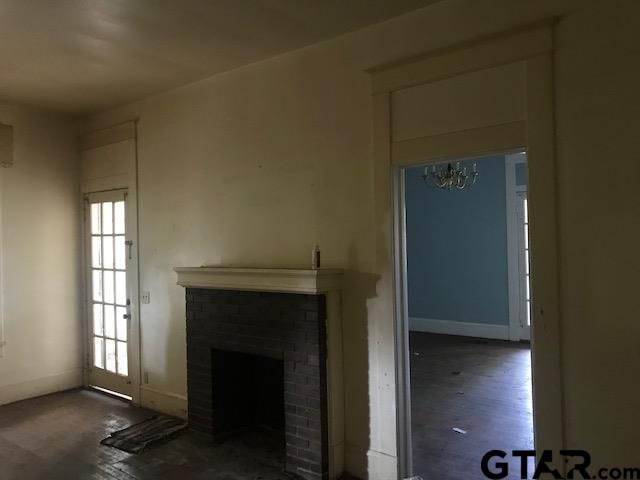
(248, 399)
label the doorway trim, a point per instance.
(109, 158)
(513, 244)
(532, 45)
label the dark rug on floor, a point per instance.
(136, 438)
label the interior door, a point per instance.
(108, 291)
(524, 273)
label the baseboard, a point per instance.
(164, 402)
(41, 386)
(381, 466)
(448, 327)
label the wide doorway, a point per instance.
(468, 300)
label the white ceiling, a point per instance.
(83, 56)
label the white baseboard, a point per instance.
(41, 386)
(381, 466)
(165, 402)
(448, 327)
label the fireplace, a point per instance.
(258, 361)
(248, 391)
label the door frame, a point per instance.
(532, 45)
(2, 300)
(513, 244)
(126, 177)
(96, 197)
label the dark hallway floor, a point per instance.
(480, 386)
(58, 437)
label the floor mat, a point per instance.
(136, 438)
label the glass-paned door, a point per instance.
(108, 291)
(524, 279)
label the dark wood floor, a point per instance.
(483, 387)
(480, 386)
(58, 437)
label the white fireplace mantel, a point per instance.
(282, 280)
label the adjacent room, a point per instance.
(469, 312)
(319, 239)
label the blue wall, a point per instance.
(457, 248)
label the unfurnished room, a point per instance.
(319, 240)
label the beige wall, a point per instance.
(255, 166)
(40, 233)
(598, 106)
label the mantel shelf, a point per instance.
(261, 279)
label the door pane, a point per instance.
(109, 294)
(97, 285)
(111, 355)
(120, 253)
(121, 288)
(118, 218)
(122, 359)
(96, 219)
(98, 328)
(109, 321)
(97, 352)
(96, 252)
(107, 252)
(122, 323)
(107, 218)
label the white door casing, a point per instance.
(110, 163)
(517, 251)
(534, 131)
(524, 282)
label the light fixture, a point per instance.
(449, 177)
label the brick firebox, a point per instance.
(285, 326)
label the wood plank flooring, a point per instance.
(58, 437)
(483, 387)
(480, 386)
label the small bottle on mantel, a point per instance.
(315, 258)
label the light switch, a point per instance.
(146, 297)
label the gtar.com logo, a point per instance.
(495, 466)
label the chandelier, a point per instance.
(450, 176)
